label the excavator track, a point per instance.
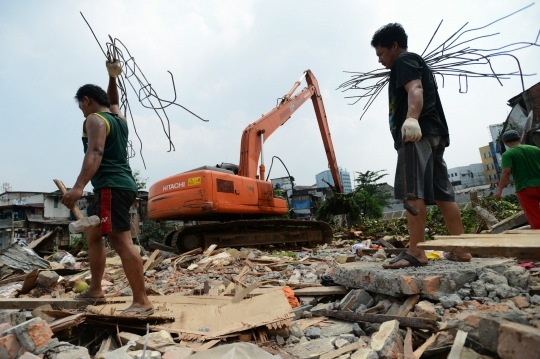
(250, 233)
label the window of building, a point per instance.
(485, 155)
(490, 177)
(487, 167)
(55, 202)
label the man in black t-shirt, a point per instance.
(420, 133)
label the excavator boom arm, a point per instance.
(251, 144)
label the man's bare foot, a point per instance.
(91, 294)
(411, 258)
(136, 310)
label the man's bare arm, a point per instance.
(97, 134)
(416, 98)
(505, 176)
(114, 99)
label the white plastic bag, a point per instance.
(68, 261)
(120, 353)
(234, 351)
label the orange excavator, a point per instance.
(237, 201)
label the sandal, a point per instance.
(451, 256)
(87, 297)
(140, 312)
(413, 262)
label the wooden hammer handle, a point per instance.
(76, 211)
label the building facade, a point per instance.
(467, 176)
(488, 164)
(327, 176)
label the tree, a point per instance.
(370, 196)
(141, 181)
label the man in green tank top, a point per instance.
(105, 164)
(523, 162)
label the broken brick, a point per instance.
(9, 347)
(518, 341)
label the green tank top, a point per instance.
(114, 170)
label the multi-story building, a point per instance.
(488, 164)
(327, 175)
(467, 176)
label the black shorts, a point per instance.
(427, 174)
(112, 207)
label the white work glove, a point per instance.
(114, 69)
(410, 131)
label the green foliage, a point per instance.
(369, 195)
(285, 254)
(338, 204)
(141, 181)
(155, 231)
(512, 198)
(75, 242)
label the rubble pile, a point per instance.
(333, 301)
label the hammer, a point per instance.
(82, 223)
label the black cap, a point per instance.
(511, 136)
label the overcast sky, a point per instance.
(231, 61)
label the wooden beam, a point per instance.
(516, 220)
(67, 322)
(44, 240)
(459, 342)
(312, 291)
(408, 305)
(418, 323)
(150, 260)
(343, 350)
(520, 246)
(32, 303)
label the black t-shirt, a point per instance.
(407, 67)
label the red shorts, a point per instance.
(112, 206)
(529, 198)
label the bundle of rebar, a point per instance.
(453, 57)
(146, 94)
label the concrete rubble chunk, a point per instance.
(34, 335)
(180, 351)
(340, 343)
(354, 299)
(9, 346)
(535, 299)
(517, 341)
(479, 288)
(351, 338)
(296, 331)
(29, 355)
(517, 276)
(388, 342)
(307, 300)
(336, 329)
(492, 277)
(365, 353)
(65, 350)
(425, 309)
(312, 332)
(357, 330)
(468, 353)
(313, 349)
(441, 279)
(47, 278)
(505, 291)
(450, 301)
(520, 302)
(321, 307)
(155, 340)
(150, 354)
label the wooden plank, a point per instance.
(209, 250)
(150, 260)
(419, 323)
(313, 291)
(241, 294)
(421, 349)
(343, 350)
(32, 303)
(17, 278)
(519, 231)
(306, 323)
(67, 322)
(44, 240)
(407, 345)
(408, 305)
(303, 285)
(520, 246)
(516, 220)
(459, 342)
(206, 345)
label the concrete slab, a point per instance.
(439, 278)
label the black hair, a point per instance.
(94, 92)
(389, 33)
